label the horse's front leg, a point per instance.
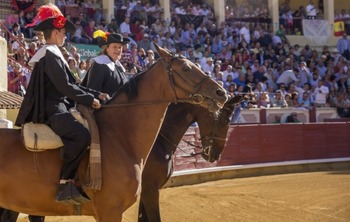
(8, 215)
(161, 163)
(149, 205)
(36, 218)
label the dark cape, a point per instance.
(51, 83)
(33, 108)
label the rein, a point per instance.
(195, 97)
(177, 147)
(206, 150)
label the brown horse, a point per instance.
(128, 128)
(213, 131)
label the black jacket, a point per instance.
(51, 90)
(100, 77)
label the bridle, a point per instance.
(210, 138)
(195, 97)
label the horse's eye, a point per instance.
(186, 68)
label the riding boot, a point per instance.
(70, 193)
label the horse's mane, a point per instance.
(130, 88)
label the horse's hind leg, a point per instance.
(8, 215)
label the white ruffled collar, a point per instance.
(104, 59)
(42, 52)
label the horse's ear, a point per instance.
(163, 53)
(235, 99)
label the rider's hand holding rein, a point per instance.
(96, 104)
(104, 97)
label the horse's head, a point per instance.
(190, 83)
(214, 128)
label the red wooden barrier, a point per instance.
(249, 144)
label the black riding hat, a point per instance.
(112, 38)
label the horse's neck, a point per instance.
(177, 120)
(135, 126)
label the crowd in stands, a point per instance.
(245, 57)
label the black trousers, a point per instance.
(75, 137)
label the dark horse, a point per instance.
(159, 166)
(128, 128)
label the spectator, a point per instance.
(125, 26)
(112, 27)
(288, 99)
(11, 20)
(278, 100)
(82, 20)
(343, 46)
(185, 39)
(74, 70)
(82, 70)
(18, 43)
(217, 45)
(250, 78)
(17, 80)
(180, 10)
(277, 119)
(311, 10)
(169, 43)
(251, 101)
(292, 118)
(145, 43)
(304, 101)
(288, 76)
(140, 63)
(264, 101)
(245, 33)
(32, 48)
(138, 12)
(132, 42)
(89, 31)
(79, 35)
(304, 74)
(294, 99)
(229, 72)
(208, 66)
(259, 74)
(150, 59)
(126, 57)
(342, 84)
(342, 105)
(281, 33)
(271, 78)
(320, 94)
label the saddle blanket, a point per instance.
(40, 137)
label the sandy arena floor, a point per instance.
(302, 197)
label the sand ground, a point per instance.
(301, 197)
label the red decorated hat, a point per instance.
(50, 17)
